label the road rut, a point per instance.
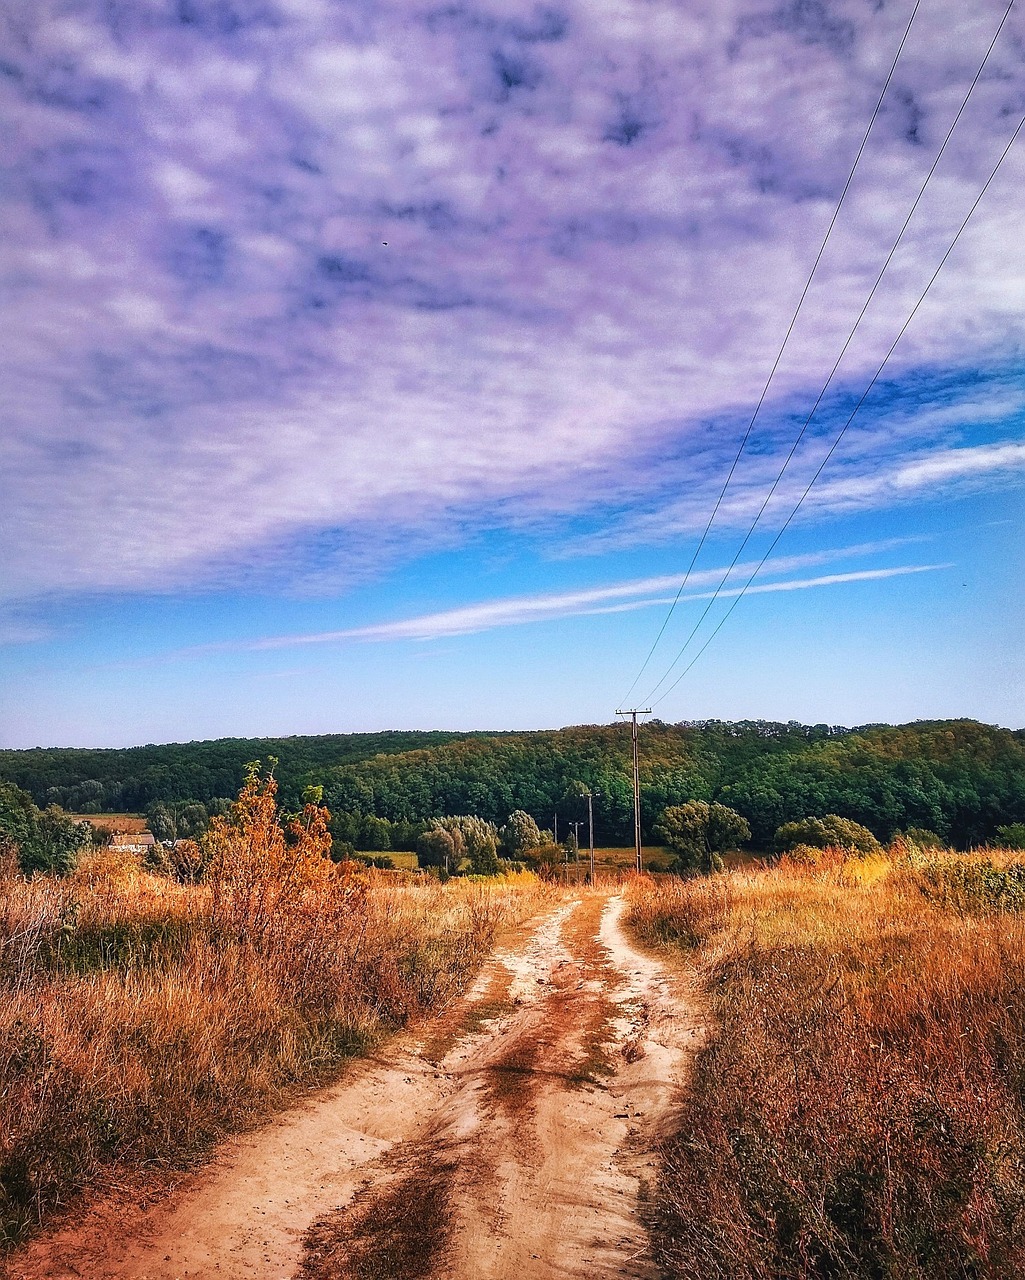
(510, 1137)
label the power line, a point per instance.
(836, 364)
(875, 378)
(782, 349)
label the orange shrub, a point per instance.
(141, 1019)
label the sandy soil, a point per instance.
(510, 1137)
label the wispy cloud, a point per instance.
(291, 276)
(856, 483)
(616, 598)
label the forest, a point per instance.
(957, 778)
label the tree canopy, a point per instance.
(42, 840)
(958, 778)
(699, 833)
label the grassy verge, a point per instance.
(859, 1108)
(142, 1019)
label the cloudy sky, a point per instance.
(377, 363)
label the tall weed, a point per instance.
(141, 1019)
(859, 1108)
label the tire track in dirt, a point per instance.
(509, 1137)
(538, 1164)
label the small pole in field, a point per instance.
(633, 713)
(576, 846)
(589, 797)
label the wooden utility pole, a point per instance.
(576, 827)
(590, 832)
(633, 713)
(590, 796)
(576, 839)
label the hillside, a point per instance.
(958, 778)
(105, 780)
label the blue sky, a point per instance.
(379, 364)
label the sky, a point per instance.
(380, 364)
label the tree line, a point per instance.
(130, 779)
(958, 779)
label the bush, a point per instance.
(699, 833)
(971, 885)
(547, 859)
(805, 855)
(1012, 836)
(832, 831)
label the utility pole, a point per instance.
(633, 713)
(590, 833)
(576, 839)
(556, 828)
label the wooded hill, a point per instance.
(128, 780)
(958, 778)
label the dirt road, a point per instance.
(508, 1138)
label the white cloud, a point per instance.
(615, 598)
(858, 483)
(395, 270)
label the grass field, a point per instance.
(859, 1108)
(141, 1019)
(132, 823)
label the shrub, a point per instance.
(971, 884)
(823, 833)
(699, 833)
(1012, 836)
(547, 859)
(921, 837)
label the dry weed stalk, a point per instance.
(859, 1110)
(141, 1019)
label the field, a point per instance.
(142, 1019)
(816, 1070)
(130, 823)
(859, 1107)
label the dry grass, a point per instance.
(141, 1019)
(859, 1109)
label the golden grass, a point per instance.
(135, 823)
(859, 1108)
(141, 1019)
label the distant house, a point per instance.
(136, 841)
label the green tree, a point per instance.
(520, 835)
(437, 848)
(58, 841)
(19, 817)
(374, 835)
(831, 831)
(478, 840)
(161, 821)
(1012, 836)
(48, 841)
(699, 833)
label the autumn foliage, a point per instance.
(141, 1018)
